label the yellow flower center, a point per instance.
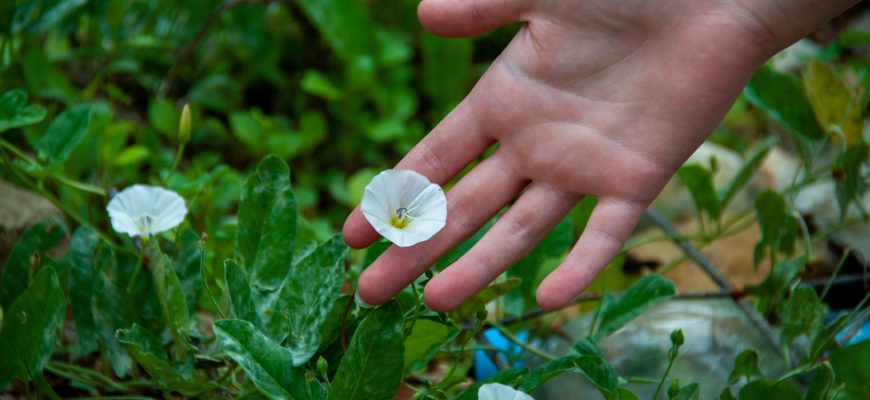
(399, 220)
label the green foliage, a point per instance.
(778, 226)
(31, 328)
(266, 363)
(769, 390)
(782, 97)
(15, 112)
(170, 293)
(837, 110)
(302, 309)
(745, 365)
(28, 254)
(584, 358)
(334, 90)
(372, 366)
(267, 224)
(699, 181)
(851, 367)
(639, 297)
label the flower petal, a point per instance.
(424, 202)
(165, 207)
(430, 203)
(497, 391)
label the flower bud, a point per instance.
(677, 338)
(184, 125)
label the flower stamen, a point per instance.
(400, 219)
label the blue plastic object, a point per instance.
(483, 366)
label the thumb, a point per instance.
(458, 18)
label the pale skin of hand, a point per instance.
(591, 97)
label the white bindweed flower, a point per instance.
(497, 391)
(142, 210)
(404, 207)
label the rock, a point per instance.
(819, 200)
(20, 209)
(715, 331)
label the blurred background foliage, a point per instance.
(338, 88)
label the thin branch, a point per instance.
(692, 252)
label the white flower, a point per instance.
(404, 207)
(142, 210)
(497, 391)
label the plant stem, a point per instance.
(531, 349)
(18, 152)
(175, 162)
(80, 185)
(836, 272)
(665, 377)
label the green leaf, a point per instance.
(584, 358)
(823, 381)
(372, 366)
(267, 224)
(108, 309)
(641, 295)
(30, 250)
(699, 181)
(336, 321)
(302, 306)
(340, 23)
(824, 339)
(55, 15)
(242, 300)
(131, 155)
(187, 267)
(744, 175)
(163, 116)
(851, 183)
(835, 107)
(266, 363)
(688, 392)
(171, 296)
(471, 305)
(147, 350)
(64, 134)
(802, 314)
(782, 97)
(746, 364)
(15, 112)
(778, 228)
(621, 393)
(769, 390)
(426, 335)
(771, 289)
(851, 367)
(314, 82)
(31, 328)
(83, 249)
(247, 130)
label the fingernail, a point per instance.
(360, 302)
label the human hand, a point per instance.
(591, 97)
